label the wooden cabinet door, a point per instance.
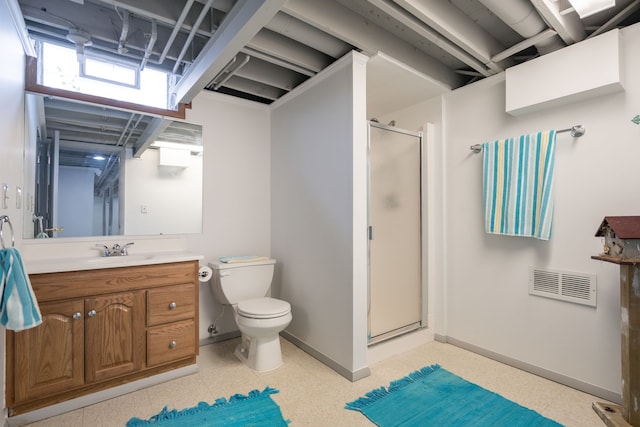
(115, 335)
(50, 358)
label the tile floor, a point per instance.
(311, 394)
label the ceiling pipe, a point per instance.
(448, 20)
(434, 37)
(525, 20)
(176, 29)
(231, 72)
(123, 35)
(152, 41)
(224, 70)
(568, 25)
(192, 34)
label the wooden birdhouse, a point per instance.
(621, 236)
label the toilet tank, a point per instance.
(235, 282)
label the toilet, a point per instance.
(244, 286)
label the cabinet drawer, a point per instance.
(171, 342)
(170, 303)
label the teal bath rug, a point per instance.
(255, 409)
(433, 396)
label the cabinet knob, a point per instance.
(91, 313)
(77, 315)
(172, 305)
(172, 344)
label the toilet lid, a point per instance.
(263, 308)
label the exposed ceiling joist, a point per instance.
(250, 86)
(243, 22)
(310, 36)
(277, 61)
(153, 130)
(619, 17)
(347, 25)
(271, 75)
(420, 28)
(290, 50)
(568, 25)
(524, 45)
(456, 26)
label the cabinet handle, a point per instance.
(91, 313)
(172, 344)
(172, 305)
(77, 315)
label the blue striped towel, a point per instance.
(518, 185)
(18, 306)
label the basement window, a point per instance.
(63, 68)
(110, 72)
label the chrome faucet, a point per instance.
(123, 249)
(116, 250)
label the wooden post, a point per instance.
(628, 414)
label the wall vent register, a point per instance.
(580, 288)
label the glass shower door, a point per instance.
(395, 273)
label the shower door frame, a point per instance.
(422, 323)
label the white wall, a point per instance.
(172, 196)
(11, 134)
(318, 159)
(236, 195)
(487, 303)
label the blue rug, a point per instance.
(433, 396)
(255, 409)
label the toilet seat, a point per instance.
(263, 308)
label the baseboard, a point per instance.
(400, 344)
(440, 338)
(536, 370)
(350, 375)
(219, 337)
(90, 399)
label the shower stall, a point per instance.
(396, 291)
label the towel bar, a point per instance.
(576, 131)
(3, 219)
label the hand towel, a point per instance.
(242, 258)
(18, 306)
(518, 185)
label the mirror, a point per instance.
(92, 170)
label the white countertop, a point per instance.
(53, 265)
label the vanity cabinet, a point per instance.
(50, 358)
(114, 335)
(103, 328)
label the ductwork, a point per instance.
(525, 20)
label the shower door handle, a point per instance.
(371, 232)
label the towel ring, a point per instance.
(3, 219)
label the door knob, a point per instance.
(77, 315)
(172, 305)
(172, 344)
(91, 313)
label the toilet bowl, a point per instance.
(259, 318)
(260, 321)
